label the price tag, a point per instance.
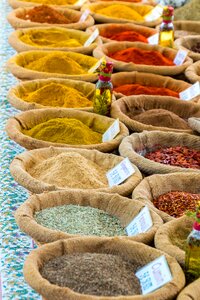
(154, 275)
(154, 14)
(180, 57)
(97, 65)
(120, 172)
(91, 39)
(111, 132)
(191, 92)
(153, 40)
(84, 15)
(141, 223)
(80, 2)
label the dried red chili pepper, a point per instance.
(176, 203)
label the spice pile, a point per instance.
(64, 131)
(93, 274)
(129, 35)
(71, 170)
(52, 2)
(177, 203)
(179, 156)
(196, 48)
(190, 11)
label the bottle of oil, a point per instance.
(104, 89)
(166, 30)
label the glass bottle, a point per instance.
(166, 30)
(104, 89)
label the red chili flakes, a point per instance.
(176, 156)
(177, 203)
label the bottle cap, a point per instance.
(196, 226)
(106, 71)
(168, 13)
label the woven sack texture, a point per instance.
(125, 107)
(16, 22)
(115, 205)
(29, 119)
(186, 43)
(20, 46)
(139, 8)
(185, 28)
(18, 3)
(193, 72)
(16, 66)
(137, 145)
(190, 292)
(117, 28)
(16, 93)
(152, 187)
(170, 235)
(138, 253)
(23, 162)
(107, 48)
(194, 123)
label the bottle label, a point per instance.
(84, 15)
(153, 40)
(154, 14)
(141, 223)
(97, 65)
(154, 275)
(111, 132)
(92, 38)
(191, 92)
(180, 57)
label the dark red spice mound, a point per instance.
(131, 36)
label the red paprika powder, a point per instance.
(142, 57)
(129, 35)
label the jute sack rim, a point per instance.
(185, 25)
(17, 3)
(193, 72)
(186, 42)
(194, 123)
(34, 117)
(27, 74)
(99, 18)
(19, 170)
(138, 28)
(130, 250)
(16, 22)
(126, 104)
(104, 50)
(123, 208)
(20, 46)
(191, 291)
(140, 141)
(153, 186)
(21, 104)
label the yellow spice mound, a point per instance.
(50, 2)
(120, 12)
(64, 131)
(50, 38)
(60, 95)
(56, 63)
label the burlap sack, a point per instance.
(142, 9)
(107, 48)
(194, 123)
(185, 28)
(16, 93)
(186, 43)
(171, 235)
(16, 66)
(190, 292)
(29, 119)
(20, 46)
(117, 28)
(16, 22)
(152, 187)
(22, 164)
(18, 3)
(193, 72)
(138, 253)
(137, 145)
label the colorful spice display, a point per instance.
(196, 48)
(138, 89)
(142, 57)
(52, 2)
(129, 35)
(176, 203)
(64, 131)
(190, 11)
(82, 220)
(57, 95)
(120, 11)
(179, 156)
(90, 273)
(45, 14)
(70, 170)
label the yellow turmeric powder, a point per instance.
(52, 2)
(64, 131)
(56, 94)
(120, 11)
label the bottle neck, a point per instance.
(104, 78)
(196, 226)
(167, 21)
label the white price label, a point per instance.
(111, 132)
(91, 39)
(191, 92)
(120, 172)
(80, 2)
(153, 40)
(141, 223)
(180, 57)
(154, 14)
(84, 15)
(154, 275)
(97, 65)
